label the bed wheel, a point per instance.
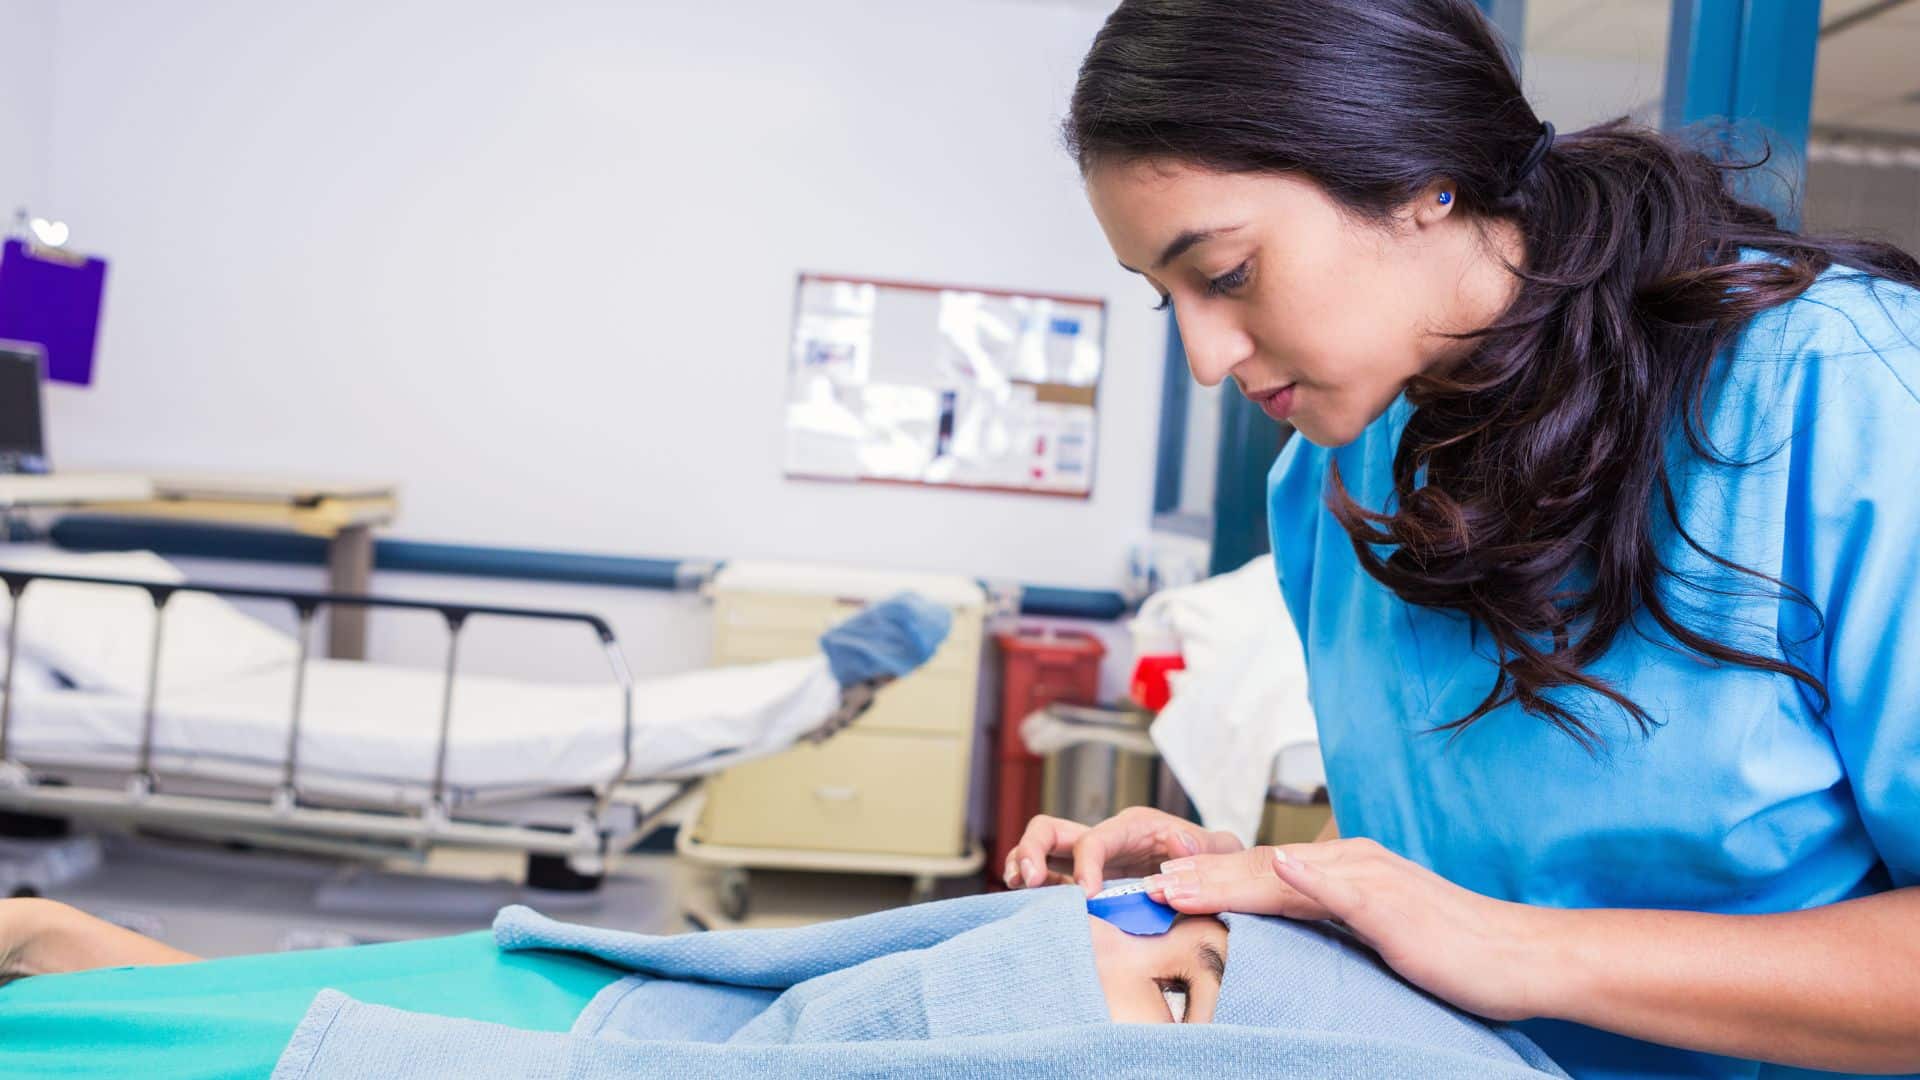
(735, 892)
(19, 826)
(552, 873)
(923, 889)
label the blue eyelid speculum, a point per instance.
(1128, 907)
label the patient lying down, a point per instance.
(1029, 974)
(1172, 978)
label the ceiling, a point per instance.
(1867, 75)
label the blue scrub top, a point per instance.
(1746, 797)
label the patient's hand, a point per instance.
(23, 924)
(1170, 978)
(45, 937)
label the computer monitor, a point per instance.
(23, 446)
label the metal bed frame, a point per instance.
(619, 815)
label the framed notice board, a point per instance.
(943, 385)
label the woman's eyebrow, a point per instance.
(1211, 959)
(1184, 243)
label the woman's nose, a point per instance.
(1213, 350)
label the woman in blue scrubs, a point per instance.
(1602, 538)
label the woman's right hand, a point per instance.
(1132, 843)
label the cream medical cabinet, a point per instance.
(886, 796)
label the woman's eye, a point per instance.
(1175, 993)
(1228, 281)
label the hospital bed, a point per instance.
(368, 760)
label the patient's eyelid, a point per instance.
(1211, 959)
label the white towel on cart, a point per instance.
(1239, 723)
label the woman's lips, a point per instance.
(1277, 404)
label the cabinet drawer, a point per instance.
(926, 701)
(807, 615)
(880, 792)
(958, 655)
(759, 646)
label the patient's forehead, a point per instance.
(1189, 932)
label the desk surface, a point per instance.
(313, 507)
(240, 487)
(326, 518)
(72, 489)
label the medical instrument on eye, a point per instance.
(1130, 908)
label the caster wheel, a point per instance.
(20, 826)
(735, 894)
(923, 889)
(551, 872)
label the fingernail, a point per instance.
(1188, 842)
(1280, 857)
(1171, 886)
(1008, 876)
(1026, 871)
(1174, 866)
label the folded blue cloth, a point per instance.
(1313, 976)
(986, 986)
(887, 640)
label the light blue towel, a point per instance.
(887, 640)
(988, 986)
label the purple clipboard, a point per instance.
(53, 299)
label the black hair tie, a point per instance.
(1534, 157)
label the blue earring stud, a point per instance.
(1446, 198)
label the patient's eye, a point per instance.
(1174, 992)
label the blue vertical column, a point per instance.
(1747, 67)
(1174, 381)
(1510, 18)
(1249, 443)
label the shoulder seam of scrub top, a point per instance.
(1859, 334)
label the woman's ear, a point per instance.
(1434, 205)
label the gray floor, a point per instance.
(214, 901)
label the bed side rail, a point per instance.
(306, 606)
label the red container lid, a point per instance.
(1063, 643)
(1150, 688)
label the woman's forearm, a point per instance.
(1834, 987)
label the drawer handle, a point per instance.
(836, 793)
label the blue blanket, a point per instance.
(988, 986)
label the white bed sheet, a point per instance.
(369, 730)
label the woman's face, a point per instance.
(1173, 978)
(1319, 318)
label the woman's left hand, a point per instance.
(1478, 953)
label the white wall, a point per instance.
(1880, 200)
(1577, 91)
(536, 261)
(26, 106)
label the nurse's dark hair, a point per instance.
(1532, 479)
